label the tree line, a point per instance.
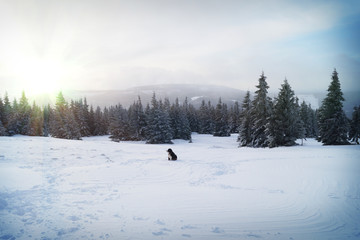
(259, 121)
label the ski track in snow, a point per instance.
(97, 189)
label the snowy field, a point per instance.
(98, 189)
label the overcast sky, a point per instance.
(99, 45)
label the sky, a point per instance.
(47, 46)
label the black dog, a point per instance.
(171, 155)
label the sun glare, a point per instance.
(38, 76)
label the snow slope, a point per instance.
(98, 189)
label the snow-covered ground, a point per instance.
(98, 189)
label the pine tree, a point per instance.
(2, 117)
(2, 129)
(285, 125)
(119, 124)
(80, 110)
(354, 133)
(137, 121)
(298, 129)
(46, 117)
(333, 124)
(158, 124)
(192, 116)
(308, 117)
(261, 109)
(245, 130)
(36, 121)
(91, 121)
(179, 122)
(62, 122)
(7, 111)
(23, 118)
(222, 128)
(99, 122)
(206, 123)
(234, 118)
(14, 125)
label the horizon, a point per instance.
(47, 46)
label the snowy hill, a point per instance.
(194, 93)
(98, 189)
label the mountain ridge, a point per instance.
(194, 93)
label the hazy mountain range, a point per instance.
(194, 94)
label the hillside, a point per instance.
(194, 93)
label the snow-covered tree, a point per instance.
(46, 117)
(221, 125)
(62, 122)
(91, 121)
(285, 125)
(137, 120)
(354, 133)
(205, 116)
(179, 122)
(80, 111)
(2, 117)
(100, 125)
(119, 124)
(333, 124)
(36, 121)
(244, 137)
(2, 129)
(192, 116)
(18, 117)
(261, 109)
(158, 124)
(308, 116)
(234, 118)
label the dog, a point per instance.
(171, 155)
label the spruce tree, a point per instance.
(2, 129)
(244, 137)
(46, 117)
(36, 121)
(285, 125)
(222, 128)
(24, 111)
(99, 122)
(14, 123)
(205, 114)
(158, 123)
(261, 109)
(119, 124)
(192, 116)
(354, 133)
(333, 124)
(179, 122)
(308, 117)
(62, 122)
(7, 111)
(2, 117)
(234, 118)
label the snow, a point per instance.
(97, 189)
(196, 98)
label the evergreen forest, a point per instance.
(259, 120)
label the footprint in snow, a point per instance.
(159, 222)
(217, 230)
(186, 235)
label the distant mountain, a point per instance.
(194, 93)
